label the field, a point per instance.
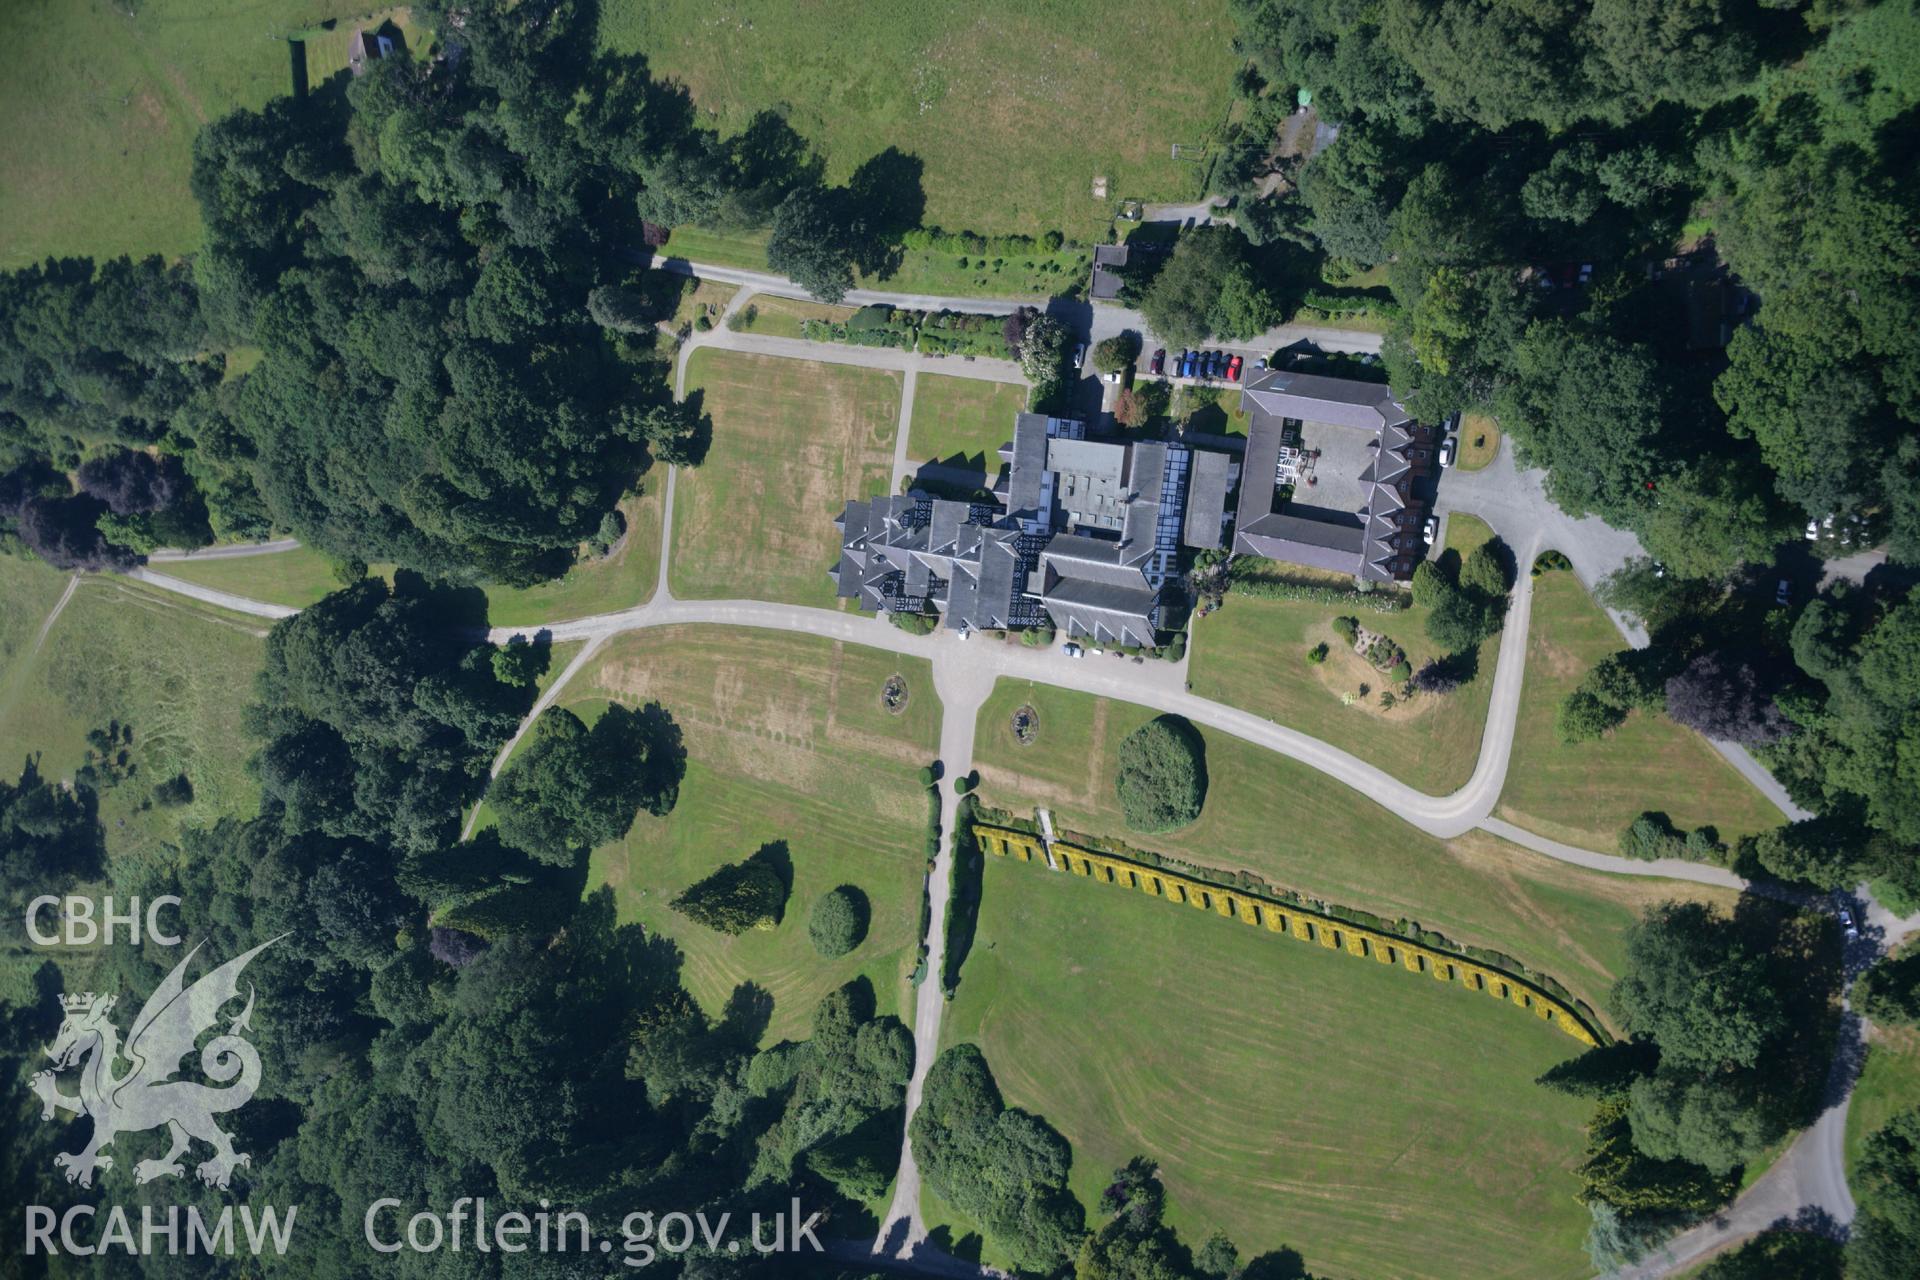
(1300, 830)
(787, 740)
(962, 422)
(102, 100)
(176, 673)
(1585, 794)
(1379, 1124)
(1013, 109)
(622, 580)
(1252, 654)
(792, 441)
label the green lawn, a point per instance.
(28, 591)
(1013, 109)
(177, 673)
(102, 99)
(1252, 654)
(295, 578)
(1585, 794)
(622, 580)
(779, 317)
(792, 441)
(1029, 277)
(963, 421)
(1379, 1124)
(787, 739)
(1889, 1083)
(619, 581)
(1302, 831)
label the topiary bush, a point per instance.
(738, 897)
(839, 921)
(1346, 628)
(1162, 780)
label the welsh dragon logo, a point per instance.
(145, 1095)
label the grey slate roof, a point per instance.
(1308, 397)
(1380, 540)
(1088, 533)
(1207, 498)
(1108, 259)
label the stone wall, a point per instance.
(1287, 920)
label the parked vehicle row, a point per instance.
(1197, 364)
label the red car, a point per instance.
(1159, 360)
(1233, 369)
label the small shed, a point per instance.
(366, 46)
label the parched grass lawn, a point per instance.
(705, 298)
(778, 317)
(1379, 1123)
(1013, 109)
(787, 739)
(179, 674)
(102, 100)
(1252, 654)
(1301, 830)
(622, 580)
(1479, 441)
(962, 422)
(1585, 793)
(792, 441)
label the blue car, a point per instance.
(1186, 364)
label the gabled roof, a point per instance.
(1307, 397)
(1366, 543)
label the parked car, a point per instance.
(1159, 361)
(1446, 452)
(1431, 528)
(1079, 355)
(1216, 364)
(1071, 649)
(1233, 369)
(1189, 363)
(1783, 593)
(1847, 925)
(1813, 530)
